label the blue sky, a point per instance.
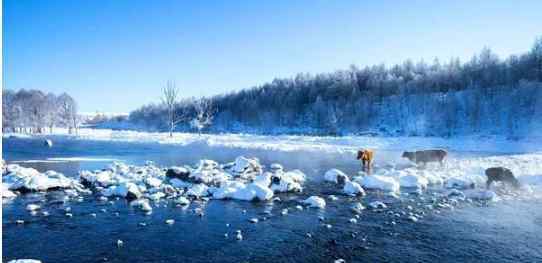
(114, 56)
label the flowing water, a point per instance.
(506, 231)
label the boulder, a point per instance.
(378, 182)
(315, 201)
(353, 188)
(336, 176)
(181, 173)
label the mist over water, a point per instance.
(504, 231)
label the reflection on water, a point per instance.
(504, 232)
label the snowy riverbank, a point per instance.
(495, 144)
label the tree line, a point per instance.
(485, 93)
(33, 111)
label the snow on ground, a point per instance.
(244, 179)
(311, 143)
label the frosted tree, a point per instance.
(51, 111)
(170, 95)
(67, 108)
(205, 112)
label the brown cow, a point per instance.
(426, 156)
(366, 157)
(500, 174)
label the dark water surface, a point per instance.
(507, 231)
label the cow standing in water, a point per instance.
(501, 174)
(366, 158)
(426, 156)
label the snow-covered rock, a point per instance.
(24, 261)
(261, 192)
(315, 201)
(198, 190)
(178, 172)
(6, 193)
(456, 194)
(353, 188)
(153, 182)
(378, 182)
(32, 207)
(246, 168)
(126, 190)
(177, 183)
(460, 182)
(252, 192)
(377, 205)
(413, 181)
(334, 175)
(23, 179)
(182, 201)
(142, 204)
(484, 195)
(48, 143)
(357, 208)
(264, 179)
(275, 168)
(290, 181)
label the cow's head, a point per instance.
(360, 155)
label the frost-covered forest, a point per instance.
(485, 95)
(33, 111)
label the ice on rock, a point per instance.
(177, 172)
(170, 221)
(288, 182)
(413, 218)
(153, 182)
(264, 179)
(461, 182)
(246, 168)
(377, 205)
(353, 188)
(262, 193)
(483, 195)
(126, 190)
(296, 175)
(156, 196)
(100, 178)
(239, 236)
(454, 193)
(333, 175)
(357, 208)
(208, 172)
(413, 181)
(275, 167)
(6, 193)
(378, 182)
(182, 201)
(332, 197)
(315, 201)
(198, 190)
(32, 207)
(226, 191)
(142, 204)
(251, 192)
(29, 180)
(177, 183)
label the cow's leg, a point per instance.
(488, 183)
